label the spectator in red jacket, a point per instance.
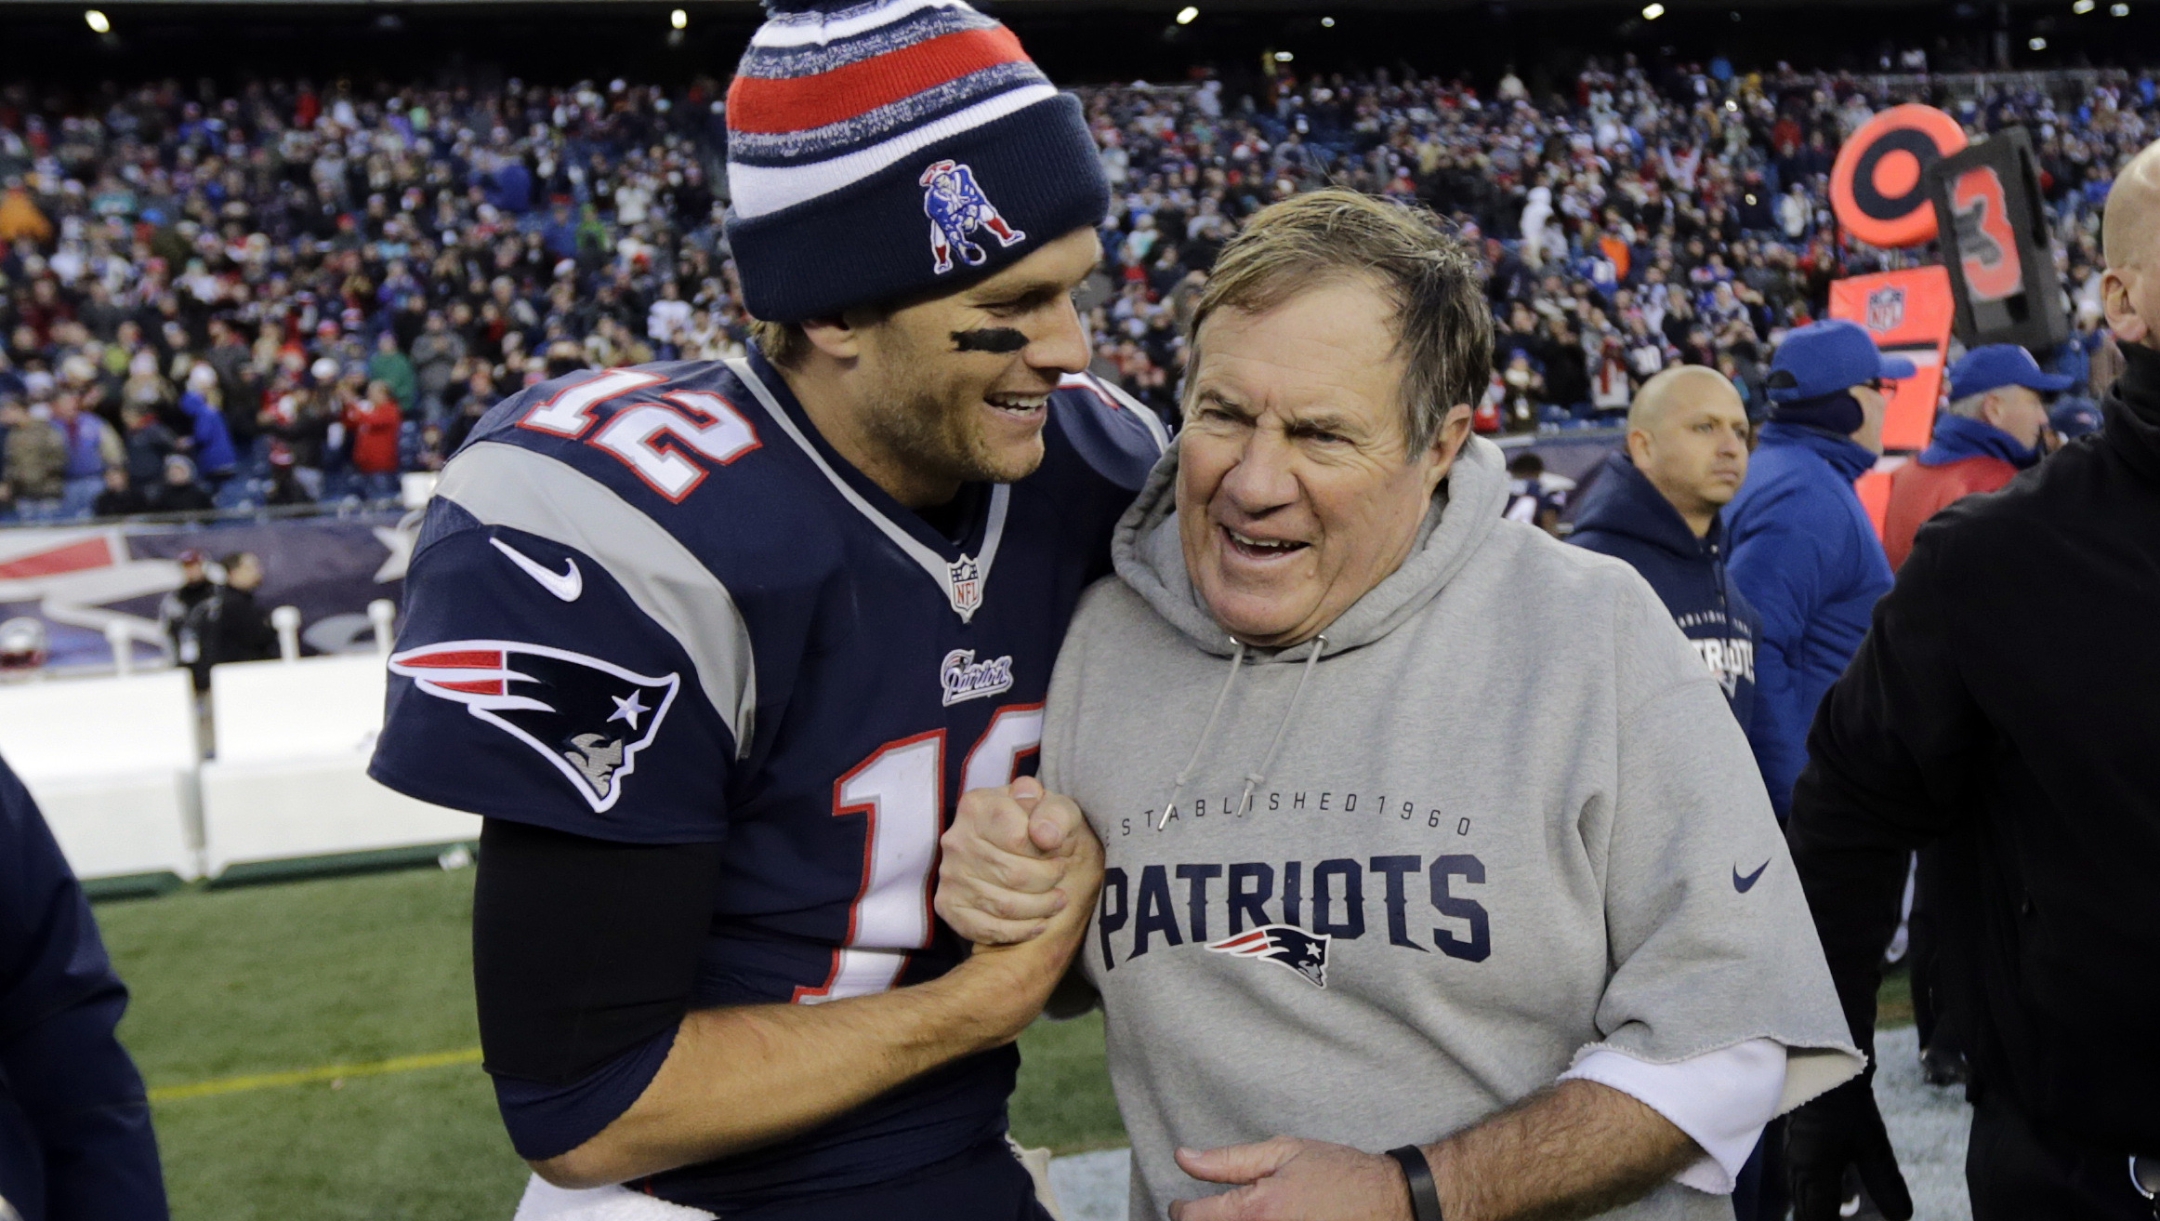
(374, 423)
(1989, 432)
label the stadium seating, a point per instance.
(290, 778)
(111, 761)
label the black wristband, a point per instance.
(1424, 1193)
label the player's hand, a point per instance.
(1287, 1179)
(1006, 861)
(1012, 982)
(1842, 1128)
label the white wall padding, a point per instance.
(290, 777)
(111, 762)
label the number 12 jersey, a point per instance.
(653, 606)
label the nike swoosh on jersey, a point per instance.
(1747, 883)
(566, 585)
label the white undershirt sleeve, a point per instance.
(1721, 1099)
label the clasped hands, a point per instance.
(1016, 861)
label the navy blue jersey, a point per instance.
(653, 606)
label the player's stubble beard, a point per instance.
(926, 414)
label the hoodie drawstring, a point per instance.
(1206, 731)
(1258, 776)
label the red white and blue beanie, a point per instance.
(884, 149)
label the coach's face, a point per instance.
(1296, 493)
(961, 382)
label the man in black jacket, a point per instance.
(232, 626)
(2038, 770)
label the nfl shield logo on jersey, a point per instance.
(958, 210)
(1885, 309)
(1285, 945)
(963, 580)
(587, 717)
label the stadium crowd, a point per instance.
(286, 294)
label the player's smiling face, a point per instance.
(1295, 495)
(960, 384)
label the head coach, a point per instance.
(1439, 879)
(2039, 770)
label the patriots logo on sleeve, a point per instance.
(585, 716)
(1286, 945)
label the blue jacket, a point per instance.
(1808, 559)
(1958, 438)
(214, 454)
(1626, 517)
(75, 1139)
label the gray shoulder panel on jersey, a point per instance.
(509, 485)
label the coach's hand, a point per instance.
(1842, 1128)
(1008, 863)
(1287, 1179)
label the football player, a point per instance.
(715, 647)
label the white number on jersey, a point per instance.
(901, 788)
(706, 422)
(646, 437)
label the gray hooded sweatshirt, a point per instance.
(1496, 818)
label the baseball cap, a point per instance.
(1826, 357)
(1995, 365)
(2074, 418)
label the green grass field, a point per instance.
(278, 979)
(236, 984)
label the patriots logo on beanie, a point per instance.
(957, 208)
(850, 124)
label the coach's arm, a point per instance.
(583, 950)
(1576, 1149)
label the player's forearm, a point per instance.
(1575, 1150)
(742, 1077)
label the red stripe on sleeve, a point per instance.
(468, 659)
(478, 686)
(769, 107)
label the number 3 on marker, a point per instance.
(900, 790)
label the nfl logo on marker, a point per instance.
(1885, 309)
(964, 578)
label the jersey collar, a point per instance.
(962, 576)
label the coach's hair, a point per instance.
(1442, 326)
(1969, 406)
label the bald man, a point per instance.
(2002, 706)
(1655, 505)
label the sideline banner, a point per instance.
(80, 579)
(1908, 314)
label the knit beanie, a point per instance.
(883, 149)
(1838, 413)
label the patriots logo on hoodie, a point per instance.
(587, 717)
(1285, 945)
